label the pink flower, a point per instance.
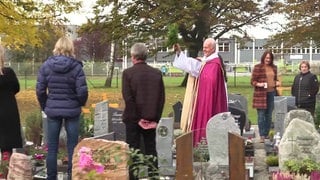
(6, 156)
(85, 150)
(39, 156)
(85, 161)
(99, 167)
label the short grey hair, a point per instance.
(139, 51)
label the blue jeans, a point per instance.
(265, 115)
(54, 127)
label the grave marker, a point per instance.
(118, 127)
(236, 157)
(217, 131)
(101, 119)
(164, 142)
(282, 105)
(184, 157)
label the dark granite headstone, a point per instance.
(177, 109)
(118, 127)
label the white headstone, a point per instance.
(101, 118)
(164, 143)
(300, 141)
(217, 137)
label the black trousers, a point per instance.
(142, 139)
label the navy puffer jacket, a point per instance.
(61, 87)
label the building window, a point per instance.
(224, 47)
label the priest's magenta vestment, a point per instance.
(211, 98)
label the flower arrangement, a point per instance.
(95, 162)
(38, 154)
(4, 165)
(86, 161)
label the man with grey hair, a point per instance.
(144, 97)
(206, 93)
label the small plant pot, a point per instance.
(272, 169)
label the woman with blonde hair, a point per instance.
(10, 129)
(61, 91)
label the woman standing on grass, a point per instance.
(305, 88)
(61, 91)
(264, 80)
(10, 128)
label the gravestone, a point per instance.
(108, 136)
(164, 143)
(240, 102)
(282, 105)
(184, 159)
(300, 141)
(300, 114)
(177, 109)
(63, 133)
(239, 115)
(217, 131)
(118, 127)
(100, 126)
(237, 168)
(44, 127)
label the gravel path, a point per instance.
(260, 166)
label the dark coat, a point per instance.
(143, 93)
(10, 128)
(260, 93)
(61, 87)
(305, 88)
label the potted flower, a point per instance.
(4, 164)
(273, 163)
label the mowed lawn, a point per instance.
(174, 93)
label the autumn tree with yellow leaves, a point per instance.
(31, 22)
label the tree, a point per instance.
(196, 20)
(302, 22)
(20, 20)
(91, 47)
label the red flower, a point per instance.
(6, 156)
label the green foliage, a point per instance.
(271, 134)
(4, 167)
(172, 35)
(201, 153)
(33, 124)
(86, 126)
(139, 163)
(272, 160)
(196, 20)
(305, 166)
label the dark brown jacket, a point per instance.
(143, 93)
(260, 93)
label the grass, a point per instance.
(174, 93)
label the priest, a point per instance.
(206, 92)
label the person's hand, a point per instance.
(177, 48)
(145, 124)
